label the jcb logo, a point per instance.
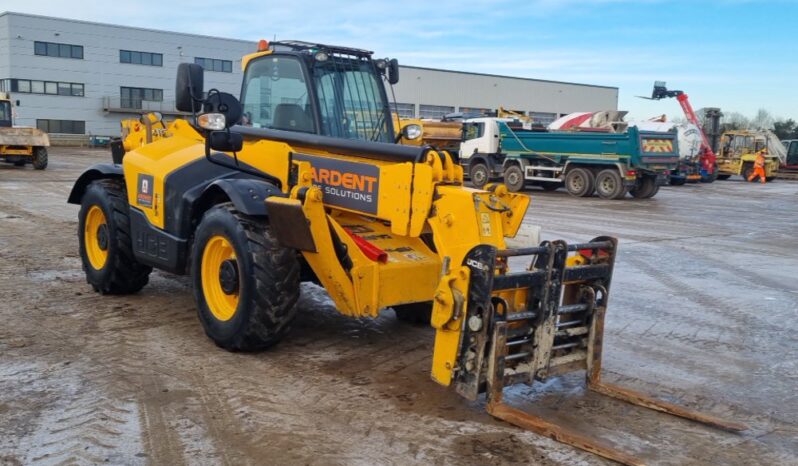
(144, 191)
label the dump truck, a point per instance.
(20, 145)
(609, 164)
(738, 149)
(311, 186)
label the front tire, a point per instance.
(514, 178)
(580, 182)
(748, 170)
(40, 158)
(245, 284)
(609, 184)
(106, 247)
(480, 175)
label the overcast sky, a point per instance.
(739, 55)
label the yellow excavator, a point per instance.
(301, 179)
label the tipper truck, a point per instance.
(609, 164)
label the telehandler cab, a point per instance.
(302, 180)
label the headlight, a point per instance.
(412, 132)
(211, 121)
(321, 56)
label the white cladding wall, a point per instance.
(100, 69)
(423, 86)
(103, 75)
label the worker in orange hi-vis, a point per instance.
(759, 167)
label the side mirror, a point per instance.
(393, 71)
(225, 141)
(188, 87)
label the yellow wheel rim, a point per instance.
(218, 259)
(95, 237)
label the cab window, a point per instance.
(275, 96)
(473, 131)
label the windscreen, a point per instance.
(275, 96)
(351, 104)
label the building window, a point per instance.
(404, 110)
(28, 86)
(62, 126)
(140, 58)
(543, 118)
(434, 112)
(52, 49)
(212, 64)
(132, 97)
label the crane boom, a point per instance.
(708, 157)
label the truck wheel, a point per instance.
(580, 182)
(645, 188)
(40, 158)
(748, 170)
(245, 284)
(711, 178)
(609, 184)
(724, 177)
(106, 247)
(514, 178)
(480, 175)
(414, 313)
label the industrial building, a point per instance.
(79, 77)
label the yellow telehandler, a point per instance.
(302, 179)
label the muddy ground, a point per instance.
(703, 312)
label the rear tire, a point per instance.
(40, 158)
(414, 313)
(645, 188)
(247, 301)
(106, 247)
(609, 184)
(580, 182)
(514, 178)
(480, 175)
